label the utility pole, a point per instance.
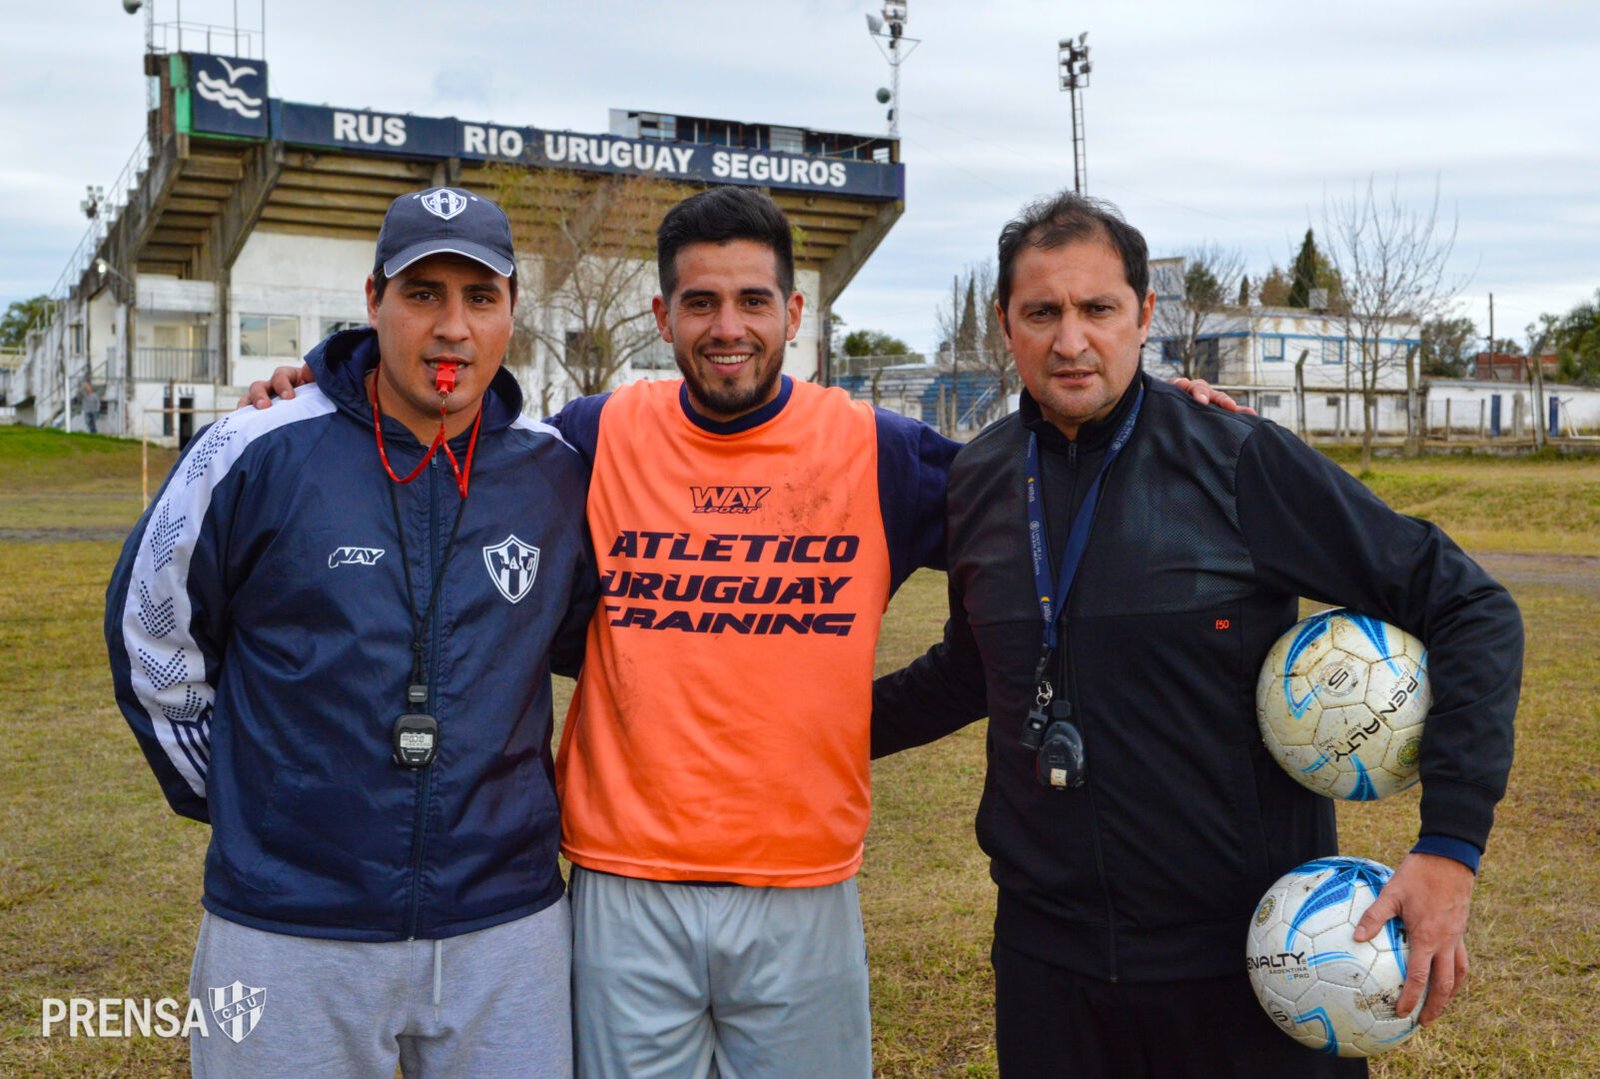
(1072, 56)
(1494, 368)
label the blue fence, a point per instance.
(973, 390)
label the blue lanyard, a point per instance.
(1052, 602)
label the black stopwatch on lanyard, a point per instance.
(414, 738)
(1049, 729)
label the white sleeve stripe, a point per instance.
(523, 423)
(166, 666)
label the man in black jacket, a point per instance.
(1121, 560)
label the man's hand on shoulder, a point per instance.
(281, 384)
(1206, 394)
(1431, 895)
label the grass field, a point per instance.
(99, 883)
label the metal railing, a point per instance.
(115, 201)
(174, 364)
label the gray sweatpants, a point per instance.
(492, 1003)
(676, 981)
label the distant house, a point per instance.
(1254, 352)
(1505, 367)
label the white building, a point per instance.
(1300, 367)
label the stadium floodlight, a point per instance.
(105, 269)
(1073, 69)
(93, 199)
(888, 32)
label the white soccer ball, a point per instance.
(1325, 990)
(1341, 701)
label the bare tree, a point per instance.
(1189, 325)
(967, 320)
(1540, 333)
(1391, 260)
(947, 319)
(589, 246)
(992, 355)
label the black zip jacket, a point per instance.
(1209, 526)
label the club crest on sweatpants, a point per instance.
(512, 566)
(237, 1008)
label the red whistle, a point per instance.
(444, 376)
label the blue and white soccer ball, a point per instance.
(1325, 990)
(1341, 702)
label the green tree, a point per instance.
(1311, 269)
(1448, 345)
(967, 328)
(1303, 273)
(858, 343)
(22, 316)
(1275, 288)
(1577, 343)
(1244, 289)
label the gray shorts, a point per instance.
(491, 1003)
(676, 981)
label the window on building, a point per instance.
(269, 335)
(1332, 350)
(788, 140)
(1272, 400)
(1272, 349)
(656, 357)
(581, 352)
(1333, 403)
(654, 125)
(331, 326)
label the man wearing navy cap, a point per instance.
(305, 633)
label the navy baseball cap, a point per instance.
(444, 220)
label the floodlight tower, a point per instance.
(1073, 58)
(889, 34)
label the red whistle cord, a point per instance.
(463, 475)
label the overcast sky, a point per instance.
(1227, 122)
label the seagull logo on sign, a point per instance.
(237, 1008)
(227, 94)
(444, 203)
(512, 566)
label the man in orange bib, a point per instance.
(714, 768)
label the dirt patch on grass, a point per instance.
(1581, 572)
(62, 535)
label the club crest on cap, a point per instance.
(444, 203)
